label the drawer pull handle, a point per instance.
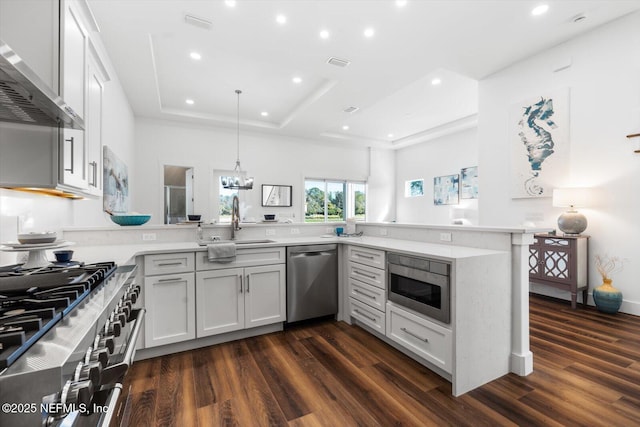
(358, 291)
(370, 276)
(408, 332)
(164, 264)
(373, 319)
(364, 256)
(170, 279)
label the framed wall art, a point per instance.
(539, 144)
(445, 190)
(469, 183)
(115, 183)
(414, 188)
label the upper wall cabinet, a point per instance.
(28, 27)
(73, 68)
(97, 77)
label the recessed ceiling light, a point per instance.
(539, 10)
(264, 114)
(189, 101)
(401, 3)
(297, 80)
(324, 34)
(345, 127)
(369, 32)
(281, 19)
(436, 81)
(195, 56)
(230, 3)
(390, 135)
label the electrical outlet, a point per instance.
(445, 237)
(383, 231)
(295, 231)
(270, 232)
(329, 230)
(148, 236)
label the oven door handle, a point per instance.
(117, 371)
(105, 421)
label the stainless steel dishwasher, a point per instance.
(312, 281)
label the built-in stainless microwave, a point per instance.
(420, 284)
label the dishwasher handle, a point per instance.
(311, 253)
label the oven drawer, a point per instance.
(370, 295)
(372, 276)
(182, 262)
(426, 339)
(369, 316)
(372, 257)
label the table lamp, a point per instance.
(572, 222)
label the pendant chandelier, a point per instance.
(239, 180)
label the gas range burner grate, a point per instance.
(33, 301)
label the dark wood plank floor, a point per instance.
(586, 372)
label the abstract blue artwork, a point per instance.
(445, 190)
(469, 183)
(539, 144)
(414, 188)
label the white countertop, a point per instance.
(123, 254)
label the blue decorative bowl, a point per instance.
(130, 219)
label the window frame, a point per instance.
(348, 190)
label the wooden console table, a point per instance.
(561, 262)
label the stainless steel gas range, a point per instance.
(67, 337)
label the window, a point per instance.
(334, 201)
(225, 197)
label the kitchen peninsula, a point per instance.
(490, 276)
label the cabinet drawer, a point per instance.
(367, 315)
(168, 263)
(245, 257)
(370, 295)
(371, 275)
(428, 340)
(372, 257)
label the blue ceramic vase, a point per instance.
(607, 298)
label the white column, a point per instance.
(521, 356)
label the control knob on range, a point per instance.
(133, 293)
(88, 371)
(106, 341)
(113, 327)
(125, 308)
(100, 355)
(77, 393)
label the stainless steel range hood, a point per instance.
(25, 98)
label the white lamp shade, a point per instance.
(576, 197)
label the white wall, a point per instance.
(604, 83)
(442, 156)
(270, 159)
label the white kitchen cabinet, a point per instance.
(367, 280)
(427, 339)
(170, 303)
(97, 77)
(28, 27)
(239, 298)
(220, 301)
(265, 295)
(73, 69)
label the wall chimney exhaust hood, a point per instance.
(26, 99)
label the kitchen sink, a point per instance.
(237, 242)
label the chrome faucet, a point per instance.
(235, 217)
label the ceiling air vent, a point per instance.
(338, 62)
(351, 109)
(198, 22)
